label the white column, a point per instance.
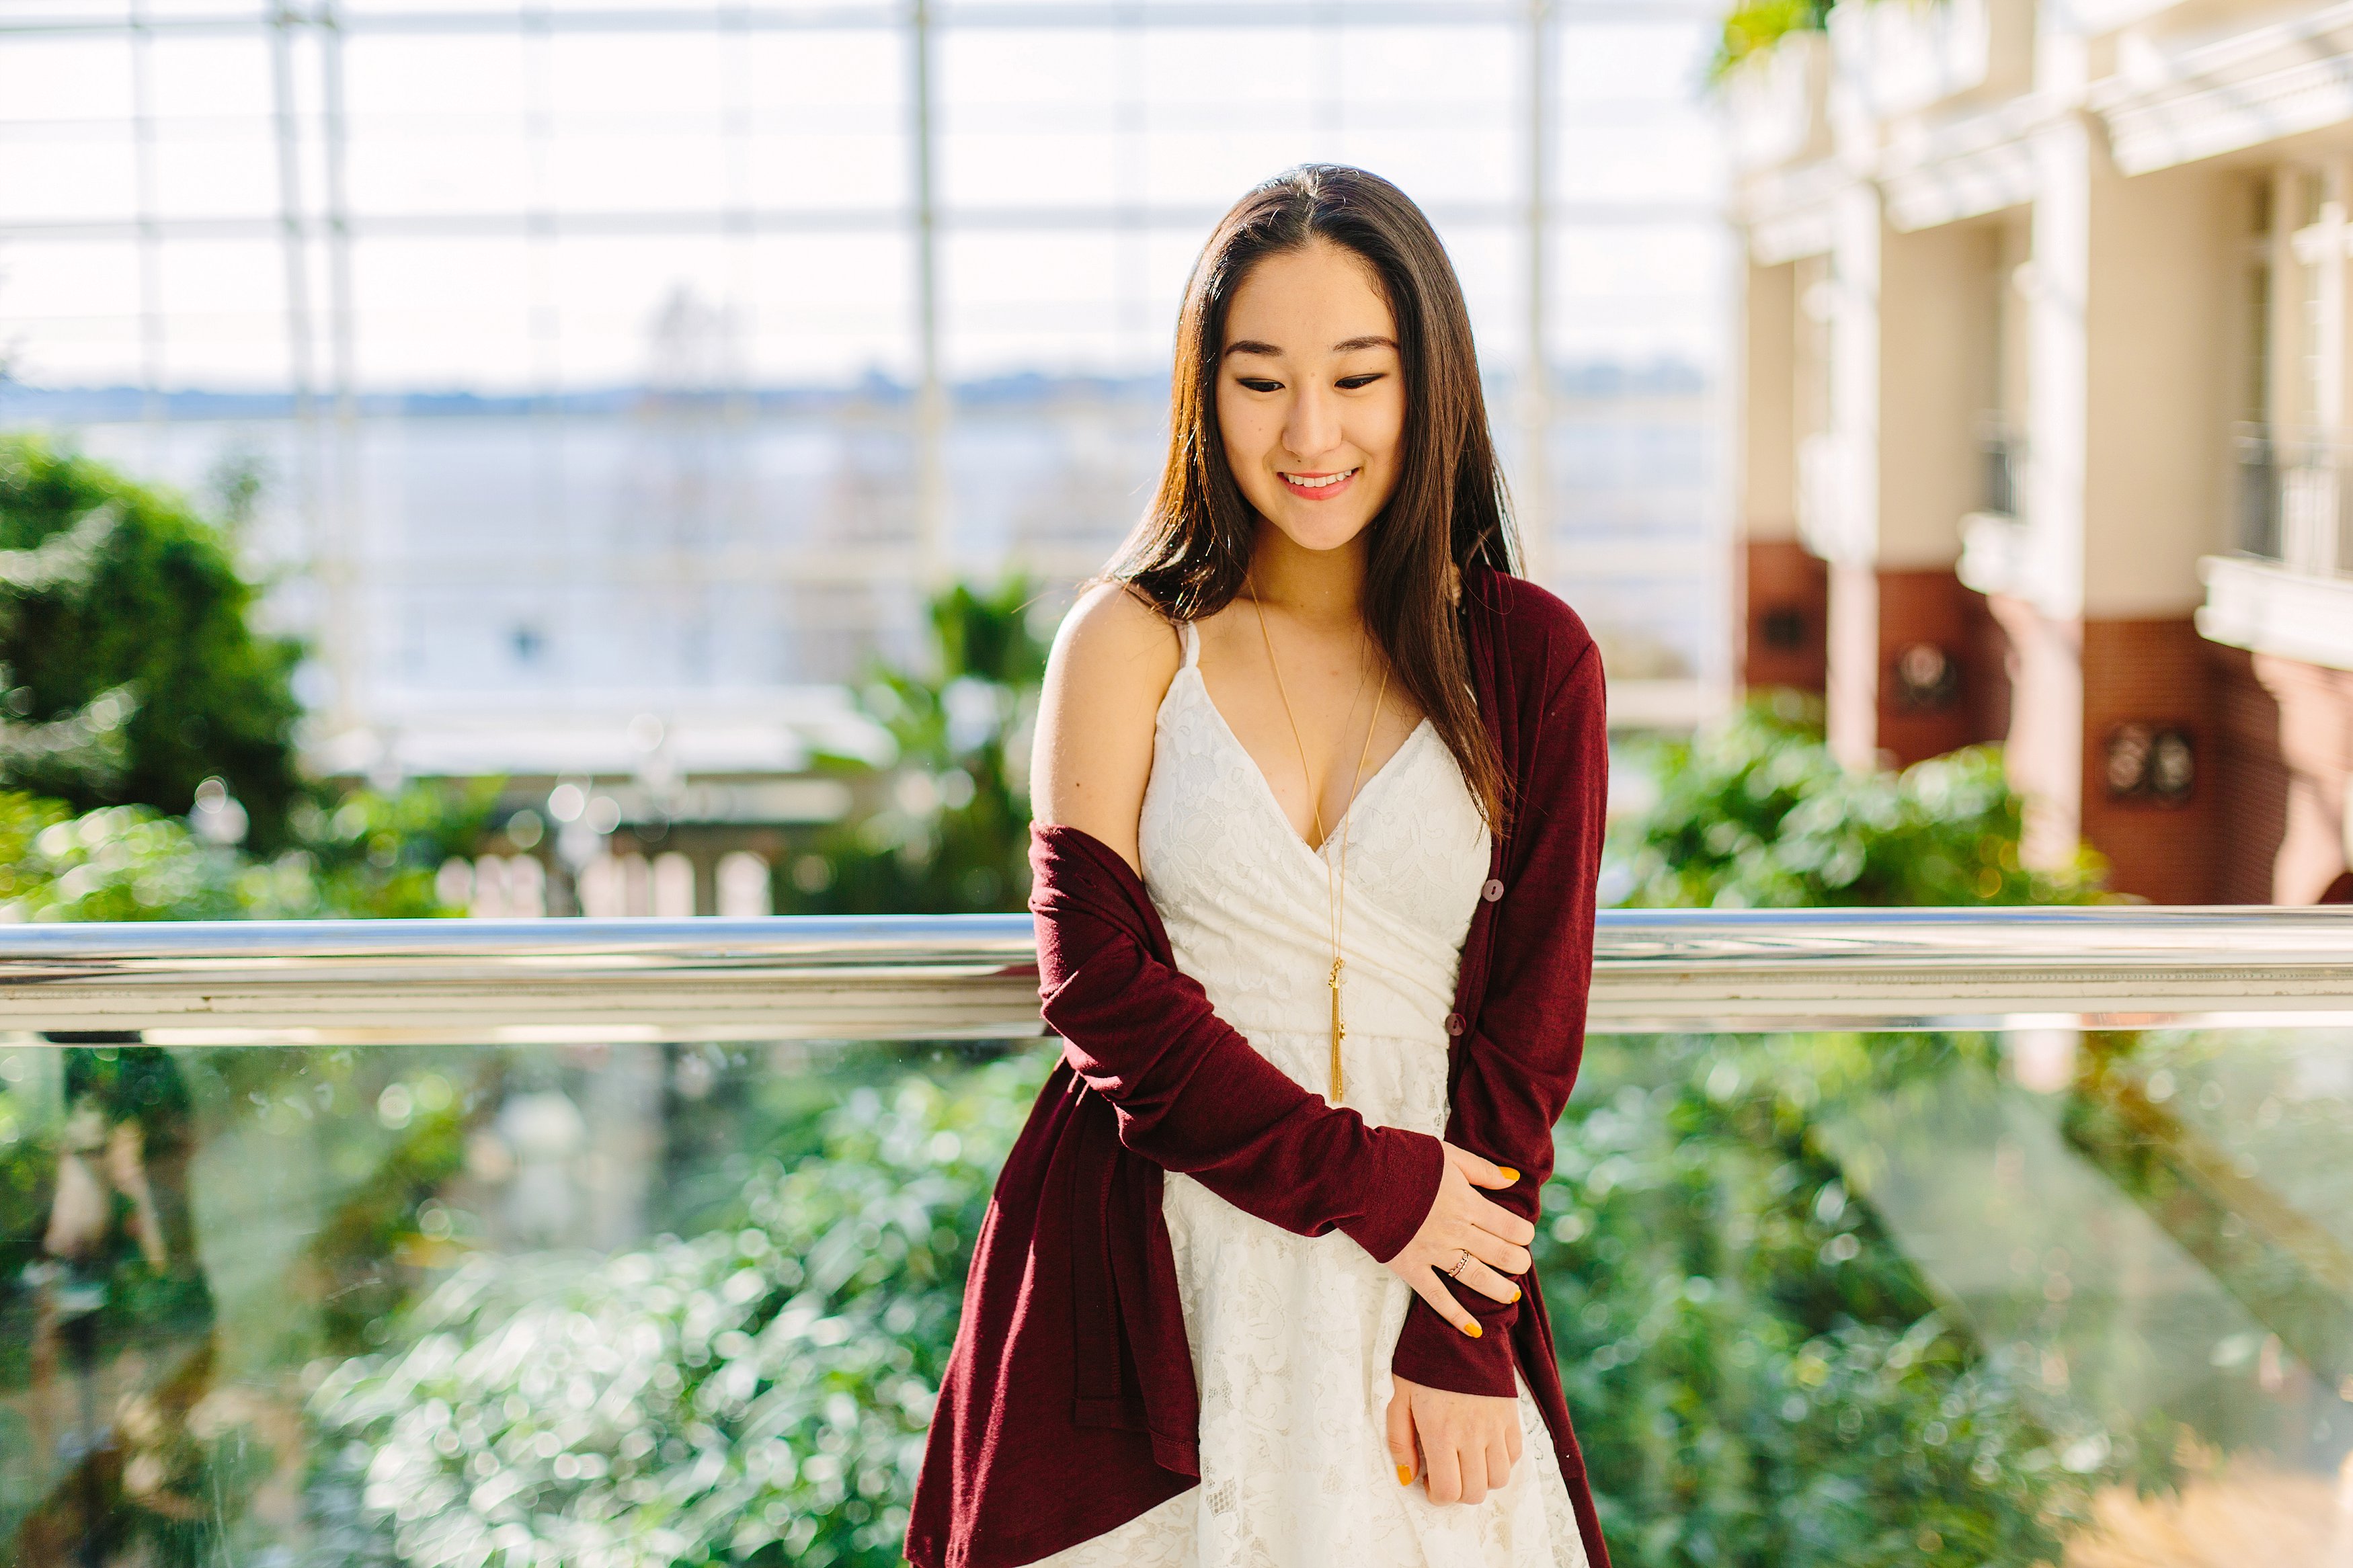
(2057, 287)
(1841, 514)
(931, 397)
(1534, 497)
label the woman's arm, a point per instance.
(1519, 1059)
(1110, 666)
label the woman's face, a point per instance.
(1311, 393)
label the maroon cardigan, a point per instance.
(1068, 1407)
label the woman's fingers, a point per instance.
(1468, 1443)
(1498, 1221)
(1400, 1426)
(1473, 1461)
(1495, 1287)
(1499, 1465)
(1443, 1304)
(1495, 1252)
(1478, 1170)
(1444, 1480)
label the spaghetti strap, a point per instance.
(1189, 636)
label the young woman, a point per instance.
(1319, 794)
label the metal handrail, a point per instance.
(975, 976)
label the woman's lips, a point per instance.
(1323, 492)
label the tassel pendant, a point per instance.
(1339, 1031)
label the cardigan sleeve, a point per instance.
(1518, 1059)
(1190, 1092)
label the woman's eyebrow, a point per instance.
(1252, 346)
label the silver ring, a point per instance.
(1459, 1265)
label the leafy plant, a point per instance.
(1757, 813)
(133, 669)
(755, 1395)
(372, 856)
(368, 855)
(1753, 26)
(1760, 1376)
(116, 863)
(947, 830)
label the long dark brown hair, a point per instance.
(1188, 554)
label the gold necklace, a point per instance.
(1335, 889)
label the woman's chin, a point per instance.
(1319, 531)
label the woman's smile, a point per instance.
(1319, 487)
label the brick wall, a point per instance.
(1931, 609)
(2250, 779)
(2159, 674)
(1788, 602)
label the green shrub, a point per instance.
(949, 831)
(758, 1394)
(1759, 1375)
(372, 856)
(116, 863)
(367, 855)
(132, 670)
(1757, 814)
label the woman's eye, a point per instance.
(1259, 384)
(1351, 382)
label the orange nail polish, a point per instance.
(1509, 1174)
(1405, 1474)
(1515, 1295)
(1472, 1330)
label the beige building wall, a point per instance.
(1937, 357)
(2160, 388)
(1768, 446)
(1783, 591)
(2101, 260)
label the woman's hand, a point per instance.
(1468, 1442)
(1459, 1221)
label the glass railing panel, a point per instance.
(446, 1304)
(1983, 1297)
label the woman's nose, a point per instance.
(1314, 426)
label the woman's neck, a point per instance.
(1323, 588)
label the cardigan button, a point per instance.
(1454, 1024)
(1493, 891)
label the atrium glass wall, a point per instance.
(658, 354)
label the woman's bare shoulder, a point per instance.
(1112, 659)
(1118, 636)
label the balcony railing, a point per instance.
(941, 977)
(358, 1241)
(2289, 506)
(2001, 458)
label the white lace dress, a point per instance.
(1291, 1335)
